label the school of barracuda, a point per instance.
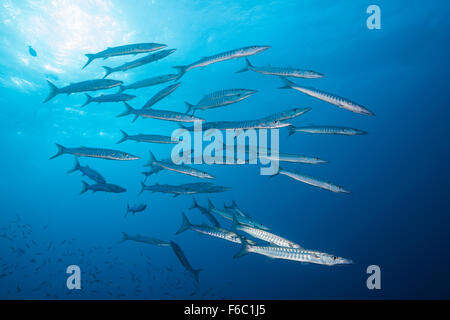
(271, 244)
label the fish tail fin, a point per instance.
(124, 137)
(196, 272)
(85, 187)
(210, 205)
(129, 110)
(75, 167)
(181, 71)
(291, 130)
(244, 248)
(61, 151)
(185, 224)
(125, 237)
(108, 71)
(194, 203)
(287, 83)
(90, 57)
(53, 91)
(235, 222)
(142, 188)
(121, 89)
(189, 107)
(88, 100)
(247, 66)
(151, 160)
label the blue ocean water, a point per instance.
(397, 216)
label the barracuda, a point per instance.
(312, 181)
(89, 85)
(161, 95)
(135, 48)
(294, 254)
(178, 168)
(328, 97)
(211, 231)
(228, 55)
(158, 114)
(148, 82)
(95, 153)
(149, 138)
(152, 57)
(327, 130)
(216, 103)
(280, 71)
(263, 235)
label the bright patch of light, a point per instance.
(62, 31)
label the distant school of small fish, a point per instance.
(279, 247)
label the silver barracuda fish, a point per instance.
(143, 239)
(158, 114)
(297, 158)
(228, 214)
(328, 97)
(312, 181)
(205, 212)
(115, 97)
(88, 172)
(220, 102)
(287, 114)
(89, 85)
(123, 50)
(225, 93)
(263, 235)
(105, 187)
(152, 57)
(136, 208)
(327, 130)
(184, 189)
(280, 71)
(228, 55)
(211, 231)
(149, 138)
(161, 95)
(293, 254)
(165, 188)
(243, 125)
(148, 82)
(184, 261)
(178, 168)
(95, 153)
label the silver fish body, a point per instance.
(84, 86)
(282, 71)
(158, 114)
(313, 181)
(115, 97)
(151, 57)
(346, 131)
(329, 97)
(149, 82)
(179, 168)
(105, 187)
(87, 171)
(148, 138)
(161, 95)
(144, 239)
(135, 48)
(108, 154)
(228, 55)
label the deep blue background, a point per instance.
(397, 216)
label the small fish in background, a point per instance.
(346, 131)
(87, 171)
(105, 187)
(32, 52)
(143, 239)
(136, 208)
(184, 261)
(115, 97)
